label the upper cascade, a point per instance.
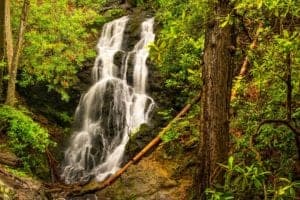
(111, 109)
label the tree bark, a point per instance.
(2, 44)
(2, 14)
(8, 36)
(289, 88)
(217, 77)
(11, 85)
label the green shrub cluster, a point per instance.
(26, 138)
(178, 47)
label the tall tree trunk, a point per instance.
(11, 85)
(2, 13)
(8, 36)
(2, 44)
(217, 82)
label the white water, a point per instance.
(112, 108)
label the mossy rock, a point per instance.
(138, 140)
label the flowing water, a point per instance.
(111, 109)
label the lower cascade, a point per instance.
(112, 108)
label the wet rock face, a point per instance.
(138, 141)
(153, 178)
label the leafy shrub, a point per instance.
(27, 139)
(251, 181)
(178, 47)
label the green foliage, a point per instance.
(138, 2)
(166, 114)
(27, 139)
(271, 8)
(242, 181)
(2, 64)
(113, 13)
(60, 36)
(170, 135)
(212, 194)
(55, 45)
(17, 172)
(183, 136)
(96, 4)
(264, 158)
(61, 117)
(178, 47)
(176, 130)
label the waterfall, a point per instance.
(111, 109)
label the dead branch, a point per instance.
(52, 162)
(289, 87)
(278, 121)
(244, 66)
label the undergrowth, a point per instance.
(27, 139)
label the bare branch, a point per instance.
(278, 121)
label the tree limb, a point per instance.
(244, 66)
(278, 121)
(286, 123)
(289, 88)
(8, 36)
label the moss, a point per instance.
(18, 172)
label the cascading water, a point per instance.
(112, 108)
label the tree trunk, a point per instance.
(11, 85)
(2, 44)
(2, 13)
(217, 82)
(8, 36)
(289, 88)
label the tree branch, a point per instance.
(244, 66)
(278, 121)
(286, 123)
(8, 36)
(289, 88)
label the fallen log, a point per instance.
(95, 186)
